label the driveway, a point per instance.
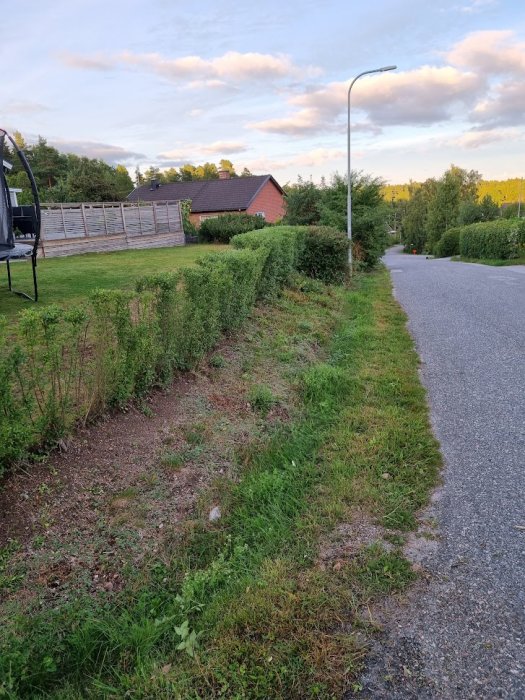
(461, 632)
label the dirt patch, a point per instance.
(81, 520)
(348, 539)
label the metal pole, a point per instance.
(349, 172)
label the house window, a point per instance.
(261, 213)
(203, 217)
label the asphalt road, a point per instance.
(461, 634)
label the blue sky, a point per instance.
(168, 82)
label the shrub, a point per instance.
(324, 254)
(282, 246)
(497, 240)
(225, 226)
(72, 364)
(448, 244)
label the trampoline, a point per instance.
(25, 219)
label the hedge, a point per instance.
(503, 239)
(222, 228)
(70, 365)
(448, 244)
(324, 254)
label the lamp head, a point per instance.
(387, 68)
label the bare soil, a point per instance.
(80, 519)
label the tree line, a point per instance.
(503, 192)
(187, 172)
(65, 177)
(437, 205)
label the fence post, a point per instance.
(84, 220)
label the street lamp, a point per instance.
(349, 199)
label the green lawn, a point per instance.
(67, 280)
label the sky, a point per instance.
(166, 82)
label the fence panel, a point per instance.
(68, 229)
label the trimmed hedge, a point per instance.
(448, 244)
(222, 228)
(503, 239)
(70, 365)
(325, 254)
(282, 246)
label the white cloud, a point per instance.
(425, 95)
(17, 107)
(474, 6)
(480, 138)
(309, 159)
(91, 149)
(98, 61)
(231, 66)
(490, 53)
(195, 152)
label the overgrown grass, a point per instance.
(71, 279)
(241, 608)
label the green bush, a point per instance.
(69, 365)
(448, 244)
(282, 246)
(496, 240)
(225, 226)
(324, 254)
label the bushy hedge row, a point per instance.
(69, 365)
(448, 244)
(222, 228)
(325, 254)
(503, 239)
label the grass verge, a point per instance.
(494, 263)
(248, 606)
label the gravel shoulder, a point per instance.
(460, 633)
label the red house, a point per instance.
(257, 194)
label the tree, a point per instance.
(302, 203)
(414, 222)
(489, 208)
(47, 164)
(225, 164)
(245, 173)
(455, 187)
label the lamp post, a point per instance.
(349, 199)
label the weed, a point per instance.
(217, 361)
(261, 399)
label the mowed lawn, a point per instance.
(69, 280)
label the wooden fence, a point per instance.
(69, 229)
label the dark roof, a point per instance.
(232, 194)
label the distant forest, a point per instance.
(501, 191)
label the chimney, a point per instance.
(154, 184)
(224, 174)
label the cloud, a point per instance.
(231, 66)
(98, 61)
(490, 52)
(477, 6)
(477, 138)
(499, 56)
(192, 152)
(91, 149)
(308, 159)
(505, 106)
(23, 107)
(426, 95)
